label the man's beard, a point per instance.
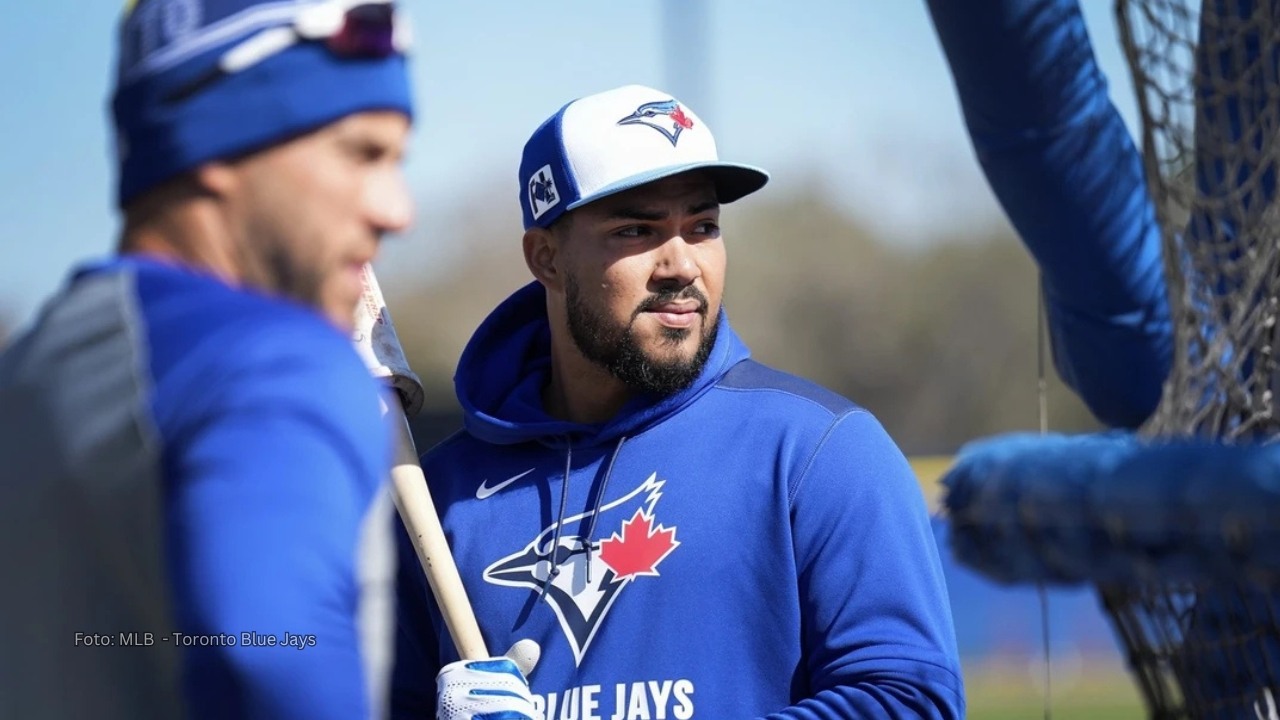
(617, 349)
(291, 278)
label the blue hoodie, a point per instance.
(752, 546)
(193, 469)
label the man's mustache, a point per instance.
(666, 296)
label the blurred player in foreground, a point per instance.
(191, 444)
(684, 531)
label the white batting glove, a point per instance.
(492, 689)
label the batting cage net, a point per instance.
(1205, 73)
(1207, 86)
(1178, 526)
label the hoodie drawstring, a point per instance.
(555, 540)
(595, 511)
(595, 514)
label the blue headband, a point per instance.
(167, 45)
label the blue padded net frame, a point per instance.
(1178, 526)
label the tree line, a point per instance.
(939, 340)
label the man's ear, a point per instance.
(542, 256)
(216, 178)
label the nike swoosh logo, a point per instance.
(485, 489)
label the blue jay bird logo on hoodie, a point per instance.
(581, 579)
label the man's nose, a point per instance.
(388, 202)
(676, 263)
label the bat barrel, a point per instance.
(376, 341)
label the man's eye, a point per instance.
(632, 231)
(366, 152)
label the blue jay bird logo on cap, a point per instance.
(659, 115)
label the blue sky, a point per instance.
(852, 93)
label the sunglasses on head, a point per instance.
(356, 30)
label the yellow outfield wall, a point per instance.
(929, 469)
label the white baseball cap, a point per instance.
(616, 140)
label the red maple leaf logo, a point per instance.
(681, 119)
(640, 547)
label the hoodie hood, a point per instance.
(508, 361)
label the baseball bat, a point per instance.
(375, 339)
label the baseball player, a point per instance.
(684, 531)
(191, 445)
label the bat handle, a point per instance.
(408, 485)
